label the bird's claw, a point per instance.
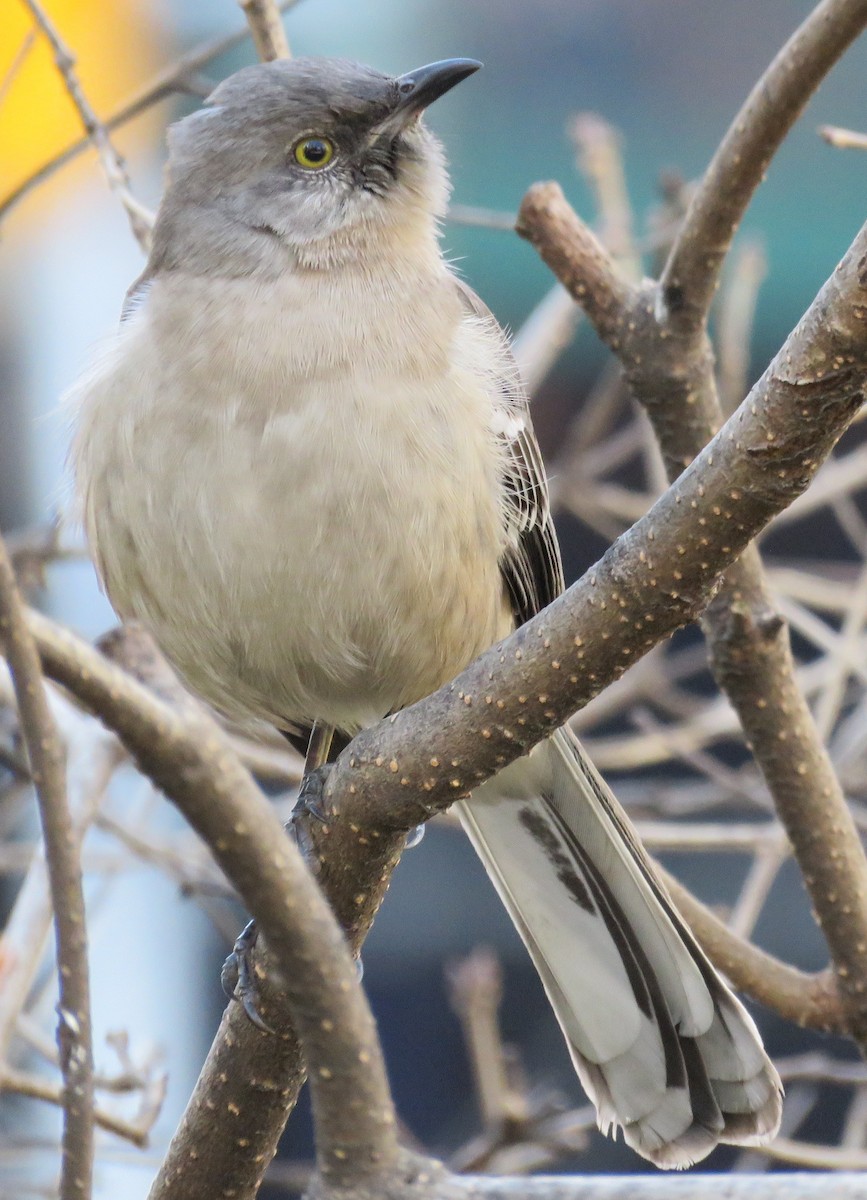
(238, 978)
(311, 795)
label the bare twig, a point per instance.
(17, 63)
(484, 218)
(179, 76)
(93, 756)
(48, 771)
(25, 1084)
(266, 28)
(475, 989)
(600, 160)
(821, 1068)
(544, 335)
(140, 220)
(844, 139)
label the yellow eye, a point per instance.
(314, 153)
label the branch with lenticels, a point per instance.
(658, 331)
(654, 579)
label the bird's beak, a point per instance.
(417, 89)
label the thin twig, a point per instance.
(93, 756)
(544, 335)
(140, 220)
(17, 63)
(844, 139)
(266, 28)
(483, 218)
(25, 1084)
(600, 160)
(475, 985)
(179, 76)
(62, 849)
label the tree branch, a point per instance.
(266, 28)
(140, 220)
(812, 1001)
(750, 649)
(187, 756)
(62, 851)
(24, 1084)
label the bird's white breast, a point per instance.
(295, 484)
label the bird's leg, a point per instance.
(315, 772)
(237, 975)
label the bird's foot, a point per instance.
(311, 796)
(239, 978)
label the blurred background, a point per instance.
(667, 76)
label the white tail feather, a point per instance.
(661, 1045)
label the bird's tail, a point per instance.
(660, 1043)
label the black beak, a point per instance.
(417, 89)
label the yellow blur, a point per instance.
(115, 49)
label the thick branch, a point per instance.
(651, 581)
(750, 650)
(188, 757)
(691, 274)
(62, 854)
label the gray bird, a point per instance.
(306, 464)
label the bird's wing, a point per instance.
(531, 567)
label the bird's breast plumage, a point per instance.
(303, 505)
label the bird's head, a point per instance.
(306, 151)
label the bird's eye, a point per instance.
(313, 153)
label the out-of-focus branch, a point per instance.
(597, 144)
(24, 1084)
(266, 28)
(843, 139)
(475, 986)
(691, 274)
(62, 849)
(544, 335)
(140, 219)
(92, 758)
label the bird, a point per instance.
(305, 463)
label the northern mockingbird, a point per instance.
(306, 464)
